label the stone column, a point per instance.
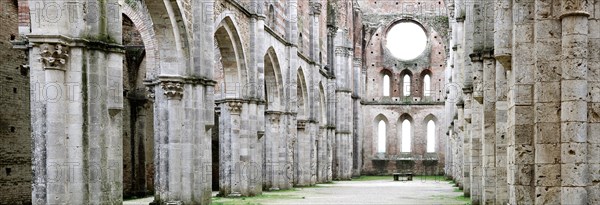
(476, 127)
(520, 132)
(503, 27)
(273, 176)
(76, 105)
(488, 150)
(460, 157)
(467, 146)
(593, 107)
(233, 159)
(547, 103)
(573, 105)
(302, 152)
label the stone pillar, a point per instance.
(322, 156)
(476, 129)
(467, 129)
(488, 150)
(503, 27)
(460, 157)
(344, 116)
(238, 169)
(76, 104)
(274, 177)
(520, 132)
(547, 103)
(302, 158)
(593, 107)
(573, 105)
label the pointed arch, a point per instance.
(171, 37)
(143, 22)
(406, 82)
(229, 47)
(322, 105)
(430, 122)
(381, 133)
(426, 85)
(301, 95)
(386, 83)
(273, 86)
(405, 125)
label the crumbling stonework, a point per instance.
(108, 99)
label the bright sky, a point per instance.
(406, 40)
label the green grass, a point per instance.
(372, 178)
(255, 199)
(390, 178)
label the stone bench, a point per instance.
(408, 176)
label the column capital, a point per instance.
(235, 107)
(315, 8)
(54, 56)
(173, 90)
(150, 93)
(301, 124)
(574, 8)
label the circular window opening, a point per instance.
(406, 40)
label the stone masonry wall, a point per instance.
(15, 149)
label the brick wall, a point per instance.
(15, 149)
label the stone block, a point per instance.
(573, 111)
(574, 174)
(547, 92)
(574, 90)
(594, 153)
(547, 175)
(547, 112)
(547, 153)
(574, 195)
(547, 195)
(574, 152)
(547, 132)
(573, 132)
(524, 154)
(593, 130)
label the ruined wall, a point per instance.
(378, 17)
(15, 128)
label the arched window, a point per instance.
(300, 43)
(406, 85)
(271, 17)
(426, 85)
(386, 85)
(406, 136)
(430, 136)
(381, 137)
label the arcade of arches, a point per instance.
(109, 99)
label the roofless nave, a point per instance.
(107, 99)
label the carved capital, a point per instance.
(274, 117)
(315, 8)
(301, 124)
(234, 106)
(173, 90)
(150, 93)
(54, 56)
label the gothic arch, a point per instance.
(273, 80)
(233, 61)
(424, 73)
(302, 95)
(171, 37)
(322, 105)
(143, 23)
(402, 132)
(376, 139)
(406, 86)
